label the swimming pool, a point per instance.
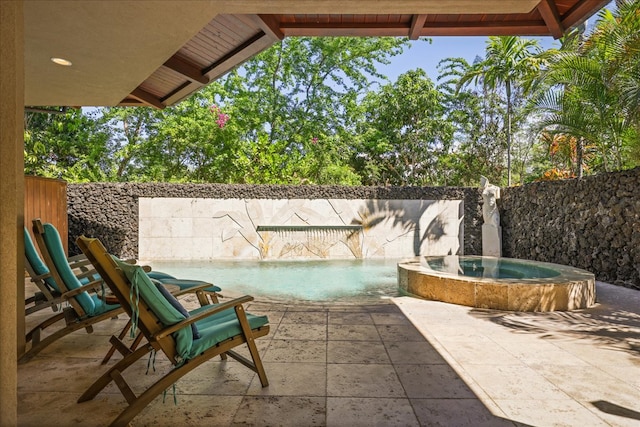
(349, 281)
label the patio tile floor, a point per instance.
(404, 362)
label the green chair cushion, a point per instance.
(164, 311)
(219, 327)
(38, 266)
(92, 305)
(213, 329)
(186, 284)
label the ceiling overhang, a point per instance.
(157, 53)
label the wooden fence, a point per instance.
(46, 198)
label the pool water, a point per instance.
(498, 268)
(325, 280)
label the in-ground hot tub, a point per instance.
(497, 283)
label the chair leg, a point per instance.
(107, 377)
(251, 343)
(113, 348)
(152, 392)
(214, 297)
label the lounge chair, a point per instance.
(83, 305)
(221, 327)
(48, 294)
(74, 281)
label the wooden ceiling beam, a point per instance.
(271, 26)
(190, 71)
(417, 22)
(531, 28)
(147, 98)
(579, 13)
(228, 62)
(345, 29)
(549, 13)
(487, 29)
(240, 54)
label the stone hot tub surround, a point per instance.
(475, 281)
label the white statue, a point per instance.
(490, 193)
(491, 230)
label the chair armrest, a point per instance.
(79, 263)
(88, 287)
(201, 315)
(87, 273)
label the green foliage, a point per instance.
(511, 63)
(405, 132)
(71, 146)
(307, 111)
(593, 87)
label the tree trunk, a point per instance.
(579, 156)
(508, 88)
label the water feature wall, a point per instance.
(207, 228)
(186, 219)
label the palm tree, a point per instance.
(594, 87)
(510, 62)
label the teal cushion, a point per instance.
(159, 275)
(219, 327)
(91, 306)
(38, 266)
(186, 284)
(164, 311)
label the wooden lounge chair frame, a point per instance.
(159, 338)
(73, 315)
(47, 296)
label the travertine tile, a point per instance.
(357, 352)
(281, 411)
(296, 351)
(365, 412)
(304, 317)
(457, 412)
(292, 379)
(433, 381)
(359, 380)
(298, 331)
(349, 318)
(399, 333)
(557, 412)
(353, 333)
(413, 352)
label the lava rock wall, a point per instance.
(592, 223)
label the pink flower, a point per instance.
(314, 140)
(222, 117)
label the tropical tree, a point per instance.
(68, 145)
(511, 63)
(404, 133)
(294, 105)
(129, 129)
(476, 114)
(593, 93)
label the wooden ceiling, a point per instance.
(157, 53)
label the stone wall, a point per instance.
(592, 223)
(111, 211)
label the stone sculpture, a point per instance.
(491, 230)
